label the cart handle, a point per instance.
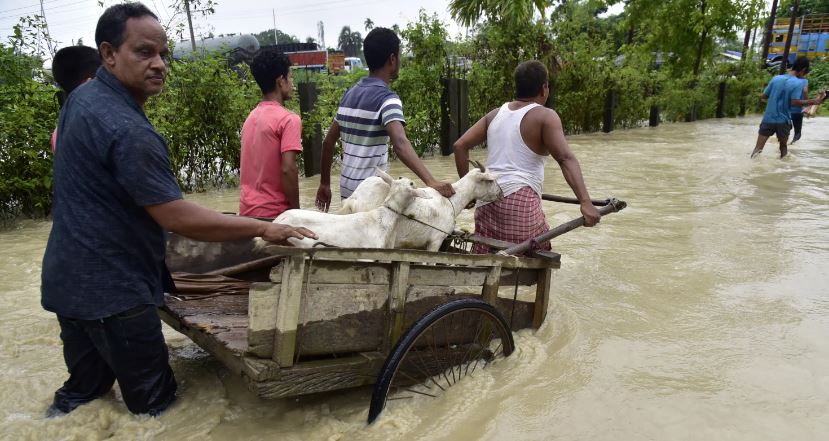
(612, 206)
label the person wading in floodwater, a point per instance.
(115, 196)
(783, 92)
(369, 116)
(521, 135)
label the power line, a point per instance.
(250, 13)
(36, 6)
(53, 8)
(166, 12)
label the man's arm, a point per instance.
(476, 135)
(802, 103)
(552, 134)
(404, 150)
(199, 223)
(323, 201)
(290, 179)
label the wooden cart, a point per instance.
(300, 321)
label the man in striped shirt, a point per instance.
(370, 115)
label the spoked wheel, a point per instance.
(450, 342)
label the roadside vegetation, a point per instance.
(657, 53)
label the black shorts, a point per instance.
(780, 129)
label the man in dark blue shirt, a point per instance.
(114, 197)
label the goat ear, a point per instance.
(420, 193)
(488, 176)
(383, 175)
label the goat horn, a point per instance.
(478, 164)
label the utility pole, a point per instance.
(321, 34)
(789, 38)
(190, 23)
(275, 41)
(767, 40)
(46, 24)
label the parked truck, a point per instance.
(810, 38)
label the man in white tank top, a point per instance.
(521, 135)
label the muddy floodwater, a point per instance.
(701, 312)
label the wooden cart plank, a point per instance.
(542, 297)
(287, 311)
(397, 302)
(414, 256)
(262, 305)
(204, 339)
(490, 290)
(321, 376)
(379, 273)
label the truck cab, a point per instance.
(353, 63)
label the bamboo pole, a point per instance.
(569, 200)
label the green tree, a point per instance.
(369, 24)
(805, 7)
(200, 114)
(689, 42)
(28, 114)
(265, 38)
(469, 12)
(419, 84)
(350, 42)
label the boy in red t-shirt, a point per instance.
(271, 140)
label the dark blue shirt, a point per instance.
(105, 253)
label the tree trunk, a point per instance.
(767, 39)
(745, 44)
(785, 62)
(703, 37)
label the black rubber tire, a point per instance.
(421, 325)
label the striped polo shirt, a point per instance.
(362, 116)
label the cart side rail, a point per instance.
(322, 302)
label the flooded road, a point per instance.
(701, 312)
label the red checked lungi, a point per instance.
(515, 218)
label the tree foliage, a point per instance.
(265, 38)
(590, 56)
(511, 12)
(200, 115)
(688, 42)
(28, 114)
(350, 42)
(804, 7)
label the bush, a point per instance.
(200, 114)
(28, 115)
(419, 85)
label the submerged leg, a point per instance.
(758, 148)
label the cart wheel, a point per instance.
(448, 343)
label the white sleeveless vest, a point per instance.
(509, 157)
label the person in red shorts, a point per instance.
(521, 135)
(271, 140)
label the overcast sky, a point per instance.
(70, 20)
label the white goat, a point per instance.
(368, 229)
(426, 222)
